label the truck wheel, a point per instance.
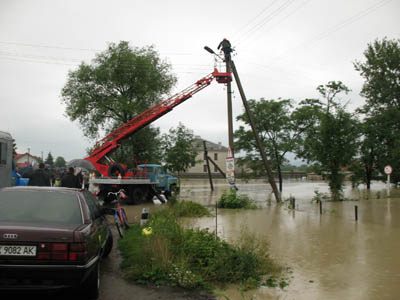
(116, 169)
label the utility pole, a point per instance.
(257, 137)
(232, 68)
(229, 104)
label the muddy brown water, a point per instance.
(329, 255)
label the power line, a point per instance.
(334, 28)
(280, 21)
(254, 18)
(264, 21)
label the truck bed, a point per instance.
(122, 181)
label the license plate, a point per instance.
(17, 250)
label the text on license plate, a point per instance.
(17, 250)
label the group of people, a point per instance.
(72, 178)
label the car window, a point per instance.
(92, 204)
(40, 207)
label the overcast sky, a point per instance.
(284, 48)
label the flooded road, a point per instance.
(330, 255)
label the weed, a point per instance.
(319, 197)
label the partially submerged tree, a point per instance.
(381, 89)
(333, 141)
(279, 127)
(119, 84)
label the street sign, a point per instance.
(230, 167)
(388, 170)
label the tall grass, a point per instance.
(191, 258)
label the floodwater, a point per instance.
(329, 255)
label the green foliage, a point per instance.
(279, 127)
(332, 141)
(231, 199)
(381, 89)
(178, 149)
(49, 160)
(60, 162)
(189, 258)
(190, 209)
(14, 148)
(318, 197)
(119, 84)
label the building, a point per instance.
(216, 152)
(25, 160)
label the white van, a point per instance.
(6, 151)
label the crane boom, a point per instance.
(113, 141)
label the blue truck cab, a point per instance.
(156, 173)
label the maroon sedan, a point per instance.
(51, 238)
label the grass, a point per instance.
(191, 258)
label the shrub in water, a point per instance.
(232, 200)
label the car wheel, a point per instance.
(109, 244)
(91, 287)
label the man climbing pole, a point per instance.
(226, 47)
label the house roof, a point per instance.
(198, 144)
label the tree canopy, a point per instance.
(179, 152)
(332, 141)
(381, 89)
(279, 127)
(120, 83)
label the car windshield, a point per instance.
(39, 207)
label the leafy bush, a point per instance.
(190, 209)
(190, 258)
(232, 200)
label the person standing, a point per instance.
(39, 177)
(70, 180)
(226, 46)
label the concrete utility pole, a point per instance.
(229, 102)
(258, 140)
(230, 66)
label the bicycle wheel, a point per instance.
(120, 228)
(123, 218)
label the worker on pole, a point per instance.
(226, 46)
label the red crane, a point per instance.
(103, 148)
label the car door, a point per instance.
(98, 230)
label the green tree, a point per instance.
(119, 84)
(279, 127)
(60, 162)
(179, 152)
(49, 160)
(332, 142)
(14, 148)
(381, 89)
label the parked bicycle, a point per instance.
(120, 218)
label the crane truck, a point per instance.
(146, 180)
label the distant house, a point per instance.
(25, 160)
(216, 152)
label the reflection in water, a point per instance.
(331, 255)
